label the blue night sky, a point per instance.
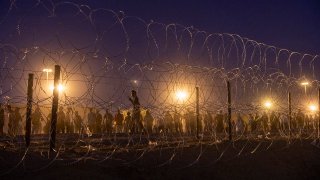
(290, 24)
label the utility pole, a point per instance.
(289, 113)
(54, 109)
(197, 111)
(229, 111)
(29, 110)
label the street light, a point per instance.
(313, 108)
(61, 88)
(305, 84)
(181, 95)
(267, 104)
(47, 71)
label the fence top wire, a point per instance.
(104, 55)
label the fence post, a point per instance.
(229, 112)
(197, 111)
(54, 109)
(318, 113)
(289, 113)
(29, 110)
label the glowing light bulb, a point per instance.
(313, 108)
(268, 104)
(47, 70)
(181, 95)
(60, 88)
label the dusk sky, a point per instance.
(159, 89)
(290, 24)
(57, 26)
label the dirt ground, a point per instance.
(239, 160)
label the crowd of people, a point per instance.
(174, 121)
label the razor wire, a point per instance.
(105, 54)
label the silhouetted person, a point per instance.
(274, 122)
(11, 124)
(98, 121)
(252, 123)
(239, 124)
(218, 119)
(107, 121)
(308, 122)
(91, 120)
(47, 125)
(148, 119)
(299, 120)
(177, 122)
(128, 123)
(36, 121)
(1, 119)
(78, 122)
(69, 121)
(118, 118)
(18, 121)
(208, 122)
(136, 114)
(168, 122)
(191, 121)
(61, 121)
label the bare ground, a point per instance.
(243, 159)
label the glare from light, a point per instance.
(305, 84)
(268, 104)
(313, 107)
(181, 95)
(61, 88)
(47, 70)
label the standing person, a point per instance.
(299, 121)
(208, 122)
(118, 118)
(18, 121)
(219, 121)
(274, 122)
(136, 115)
(107, 122)
(61, 121)
(98, 121)
(251, 123)
(36, 121)
(91, 121)
(77, 122)
(69, 121)
(264, 122)
(188, 119)
(11, 128)
(148, 119)
(239, 124)
(1, 119)
(47, 126)
(168, 122)
(127, 123)
(177, 121)
(191, 121)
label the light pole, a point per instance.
(268, 105)
(47, 71)
(181, 95)
(305, 84)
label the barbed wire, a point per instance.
(105, 54)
